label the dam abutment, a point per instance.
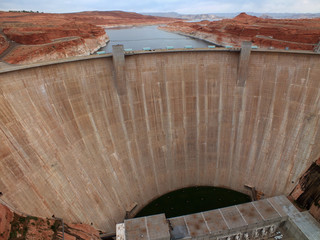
(74, 147)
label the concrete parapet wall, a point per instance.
(272, 218)
(72, 147)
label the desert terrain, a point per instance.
(298, 34)
(27, 37)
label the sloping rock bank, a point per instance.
(43, 37)
(307, 192)
(4, 44)
(17, 227)
(64, 48)
(302, 34)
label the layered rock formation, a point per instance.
(6, 216)
(42, 37)
(307, 193)
(15, 226)
(302, 34)
(4, 44)
(49, 43)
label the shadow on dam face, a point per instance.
(73, 147)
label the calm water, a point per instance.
(192, 200)
(138, 38)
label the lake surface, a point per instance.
(192, 200)
(138, 38)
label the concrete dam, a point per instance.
(87, 139)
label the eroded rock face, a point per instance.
(307, 193)
(43, 37)
(302, 34)
(4, 44)
(38, 53)
(81, 231)
(48, 34)
(6, 217)
(18, 227)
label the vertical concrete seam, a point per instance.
(274, 207)
(220, 112)
(169, 131)
(300, 164)
(266, 135)
(258, 211)
(185, 222)
(124, 128)
(253, 148)
(241, 215)
(237, 147)
(206, 116)
(160, 102)
(205, 222)
(186, 163)
(224, 218)
(146, 224)
(233, 142)
(292, 147)
(198, 123)
(113, 142)
(149, 138)
(278, 150)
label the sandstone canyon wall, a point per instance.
(307, 193)
(15, 226)
(37, 37)
(298, 34)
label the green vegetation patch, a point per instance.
(19, 227)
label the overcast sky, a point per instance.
(180, 6)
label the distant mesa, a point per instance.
(302, 34)
(266, 16)
(245, 17)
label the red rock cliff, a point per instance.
(301, 34)
(41, 37)
(6, 216)
(307, 192)
(17, 227)
(4, 44)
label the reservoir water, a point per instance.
(137, 38)
(192, 200)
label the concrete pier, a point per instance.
(73, 147)
(243, 67)
(119, 69)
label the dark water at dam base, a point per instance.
(192, 200)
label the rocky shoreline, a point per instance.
(207, 38)
(39, 37)
(301, 34)
(27, 54)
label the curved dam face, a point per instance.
(73, 147)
